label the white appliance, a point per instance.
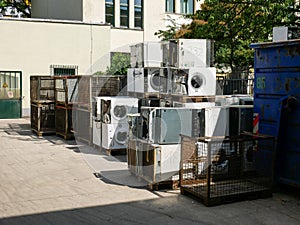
(117, 108)
(115, 128)
(115, 135)
(147, 54)
(96, 107)
(201, 81)
(188, 53)
(163, 125)
(156, 163)
(156, 80)
(227, 100)
(214, 121)
(194, 105)
(130, 80)
(152, 80)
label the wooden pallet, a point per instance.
(109, 152)
(232, 195)
(194, 99)
(168, 184)
(43, 132)
(68, 136)
(84, 140)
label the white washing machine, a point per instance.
(115, 135)
(97, 130)
(117, 108)
(156, 80)
(202, 81)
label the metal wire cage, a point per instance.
(218, 170)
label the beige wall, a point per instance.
(121, 39)
(32, 46)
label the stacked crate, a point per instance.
(66, 95)
(42, 104)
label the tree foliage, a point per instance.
(234, 24)
(16, 7)
(120, 62)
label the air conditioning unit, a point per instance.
(188, 53)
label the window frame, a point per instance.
(184, 6)
(111, 4)
(127, 14)
(167, 8)
(141, 7)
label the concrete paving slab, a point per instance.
(46, 180)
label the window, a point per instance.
(187, 6)
(63, 70)
(110, 12)
(170, 6)
(124, 13)
(138, 13)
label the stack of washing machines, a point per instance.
(110, 125)
(174, 68)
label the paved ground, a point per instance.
(49, 181)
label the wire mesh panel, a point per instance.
(82, 124)
(41, 88)
(217, 170)
(66, 89)
(109, 85)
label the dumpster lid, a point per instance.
(275, 44)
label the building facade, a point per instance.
(79, 36)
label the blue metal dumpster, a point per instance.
(277, 101)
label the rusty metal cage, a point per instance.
(219, 170)
(43, 118)
(41, 88)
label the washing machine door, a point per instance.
(202, 81)
(155, 80)
(119, 112)
(121, 136)
(197, 81)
